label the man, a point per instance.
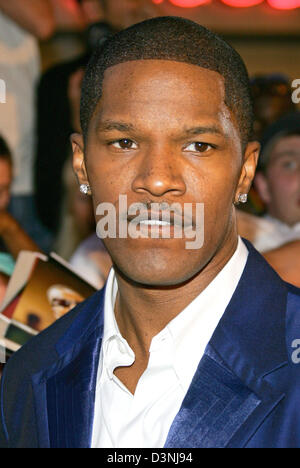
(6, 261)
(12, 237)
(278, 183)
(184, 347)
(277, 180)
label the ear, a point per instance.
(78, 159)
(248, 169)
(262, 186)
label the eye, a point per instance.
(124, 144)
(290, 165)
(198, 147)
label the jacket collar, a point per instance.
(65, 392)
(251, 334)
(236, 384)
(233, 390)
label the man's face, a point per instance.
(282, 181)
(5, 183)
(162, 134)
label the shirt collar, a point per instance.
(193, 328)
(188, 333)
(115, 349)
(283, 226)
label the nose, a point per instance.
(159, 173)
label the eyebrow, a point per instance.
(282, 154)
(110, 125)
(202, 129)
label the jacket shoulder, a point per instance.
(40, 351)
(293, 289)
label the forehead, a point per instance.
(287, 146)
(289, 143)
(165, 87)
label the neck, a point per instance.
(273, 213)
(142, 311)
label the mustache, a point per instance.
(160, 211)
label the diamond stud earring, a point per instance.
(243, 198)
(85, 189)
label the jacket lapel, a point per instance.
(236, 384)
(70, 399)
(219, 410)
(65, 392)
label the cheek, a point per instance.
(217, 184)
(108, 181)
(216, 188)
(283, 185)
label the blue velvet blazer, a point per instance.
(245, 392)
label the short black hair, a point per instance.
(176, 39)
(5, 154)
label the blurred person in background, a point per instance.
(22, 24)
(272, 99)
(272, 96)
(277, 181)
(12, 237)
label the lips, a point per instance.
(162, 218)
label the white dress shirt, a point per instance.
(271, 233)
(143, 420)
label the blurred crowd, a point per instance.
(41, 207)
